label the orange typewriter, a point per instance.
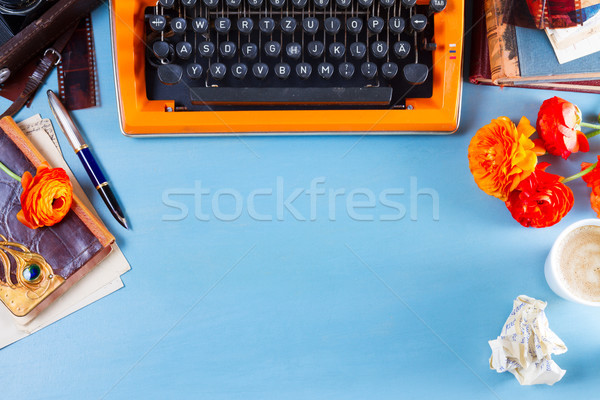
(288, 66)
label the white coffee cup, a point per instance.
(552, 270)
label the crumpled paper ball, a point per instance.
(526, 343)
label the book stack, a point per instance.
(49, 272)
(506, 54)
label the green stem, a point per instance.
(579, 175)
(592, 133)
(9, 172)
(588, 125)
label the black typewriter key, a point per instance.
(316, 48)
(233, 3)
(266, 25)
(239, 70)
(227, 49)
(255, 3)
(211, 3)
(194, 71)
(272, 48)
(310, 25)
(375, 24)
(437, 6)
(418, 22)
(337, 50)
(379, 49)
(218, 70)
(415, 74)
(343, 3)
(409, 3)
(358, 50)
(389, 70)
(303, 70)
(245, 25)
(282, 70)
(321, 3)
(161, 49)
(368, 69)
(183, 50)
(365, 3)
(277, 4)
(178, 25)
(299, 3)
(387, 3)
(250, 50)
(288, 25)
(354, 25)
(260, 70)
(188, 3)
(200, 25)
(293, 50)
(332, 25)
(169, 74)
(167, 3)
(222, 25)
(157, 23)
(346, 70)
(397, 24)
(325, 70)
(206, 49)
(402, 49)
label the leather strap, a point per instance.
(38, 35)
(51, 58)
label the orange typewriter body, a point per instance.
(141, 117)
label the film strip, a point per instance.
(77, 79)
(556, 13)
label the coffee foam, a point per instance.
(578, 255)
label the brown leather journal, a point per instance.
(56, 256)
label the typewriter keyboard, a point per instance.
(273, 54)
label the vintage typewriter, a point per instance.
(288, 66)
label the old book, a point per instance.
(525, 55)
(480, 70)
(63, 253)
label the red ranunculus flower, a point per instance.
(541, 200)
(46, 197)
(558, 125)
(592, 179)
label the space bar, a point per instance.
(290, 95)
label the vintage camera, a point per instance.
(18, 7)
(15, 15)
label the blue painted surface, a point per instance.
(332, 307)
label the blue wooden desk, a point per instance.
(322, 301)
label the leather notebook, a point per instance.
(61, 254)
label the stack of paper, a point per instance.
(101, 281)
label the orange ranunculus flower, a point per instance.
(541, 200)
(501, 155)
(46, 198)
(558, 125)
(592, 179)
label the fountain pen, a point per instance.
(85, 156)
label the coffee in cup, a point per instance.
(573, 265)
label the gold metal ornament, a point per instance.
(35, 278)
